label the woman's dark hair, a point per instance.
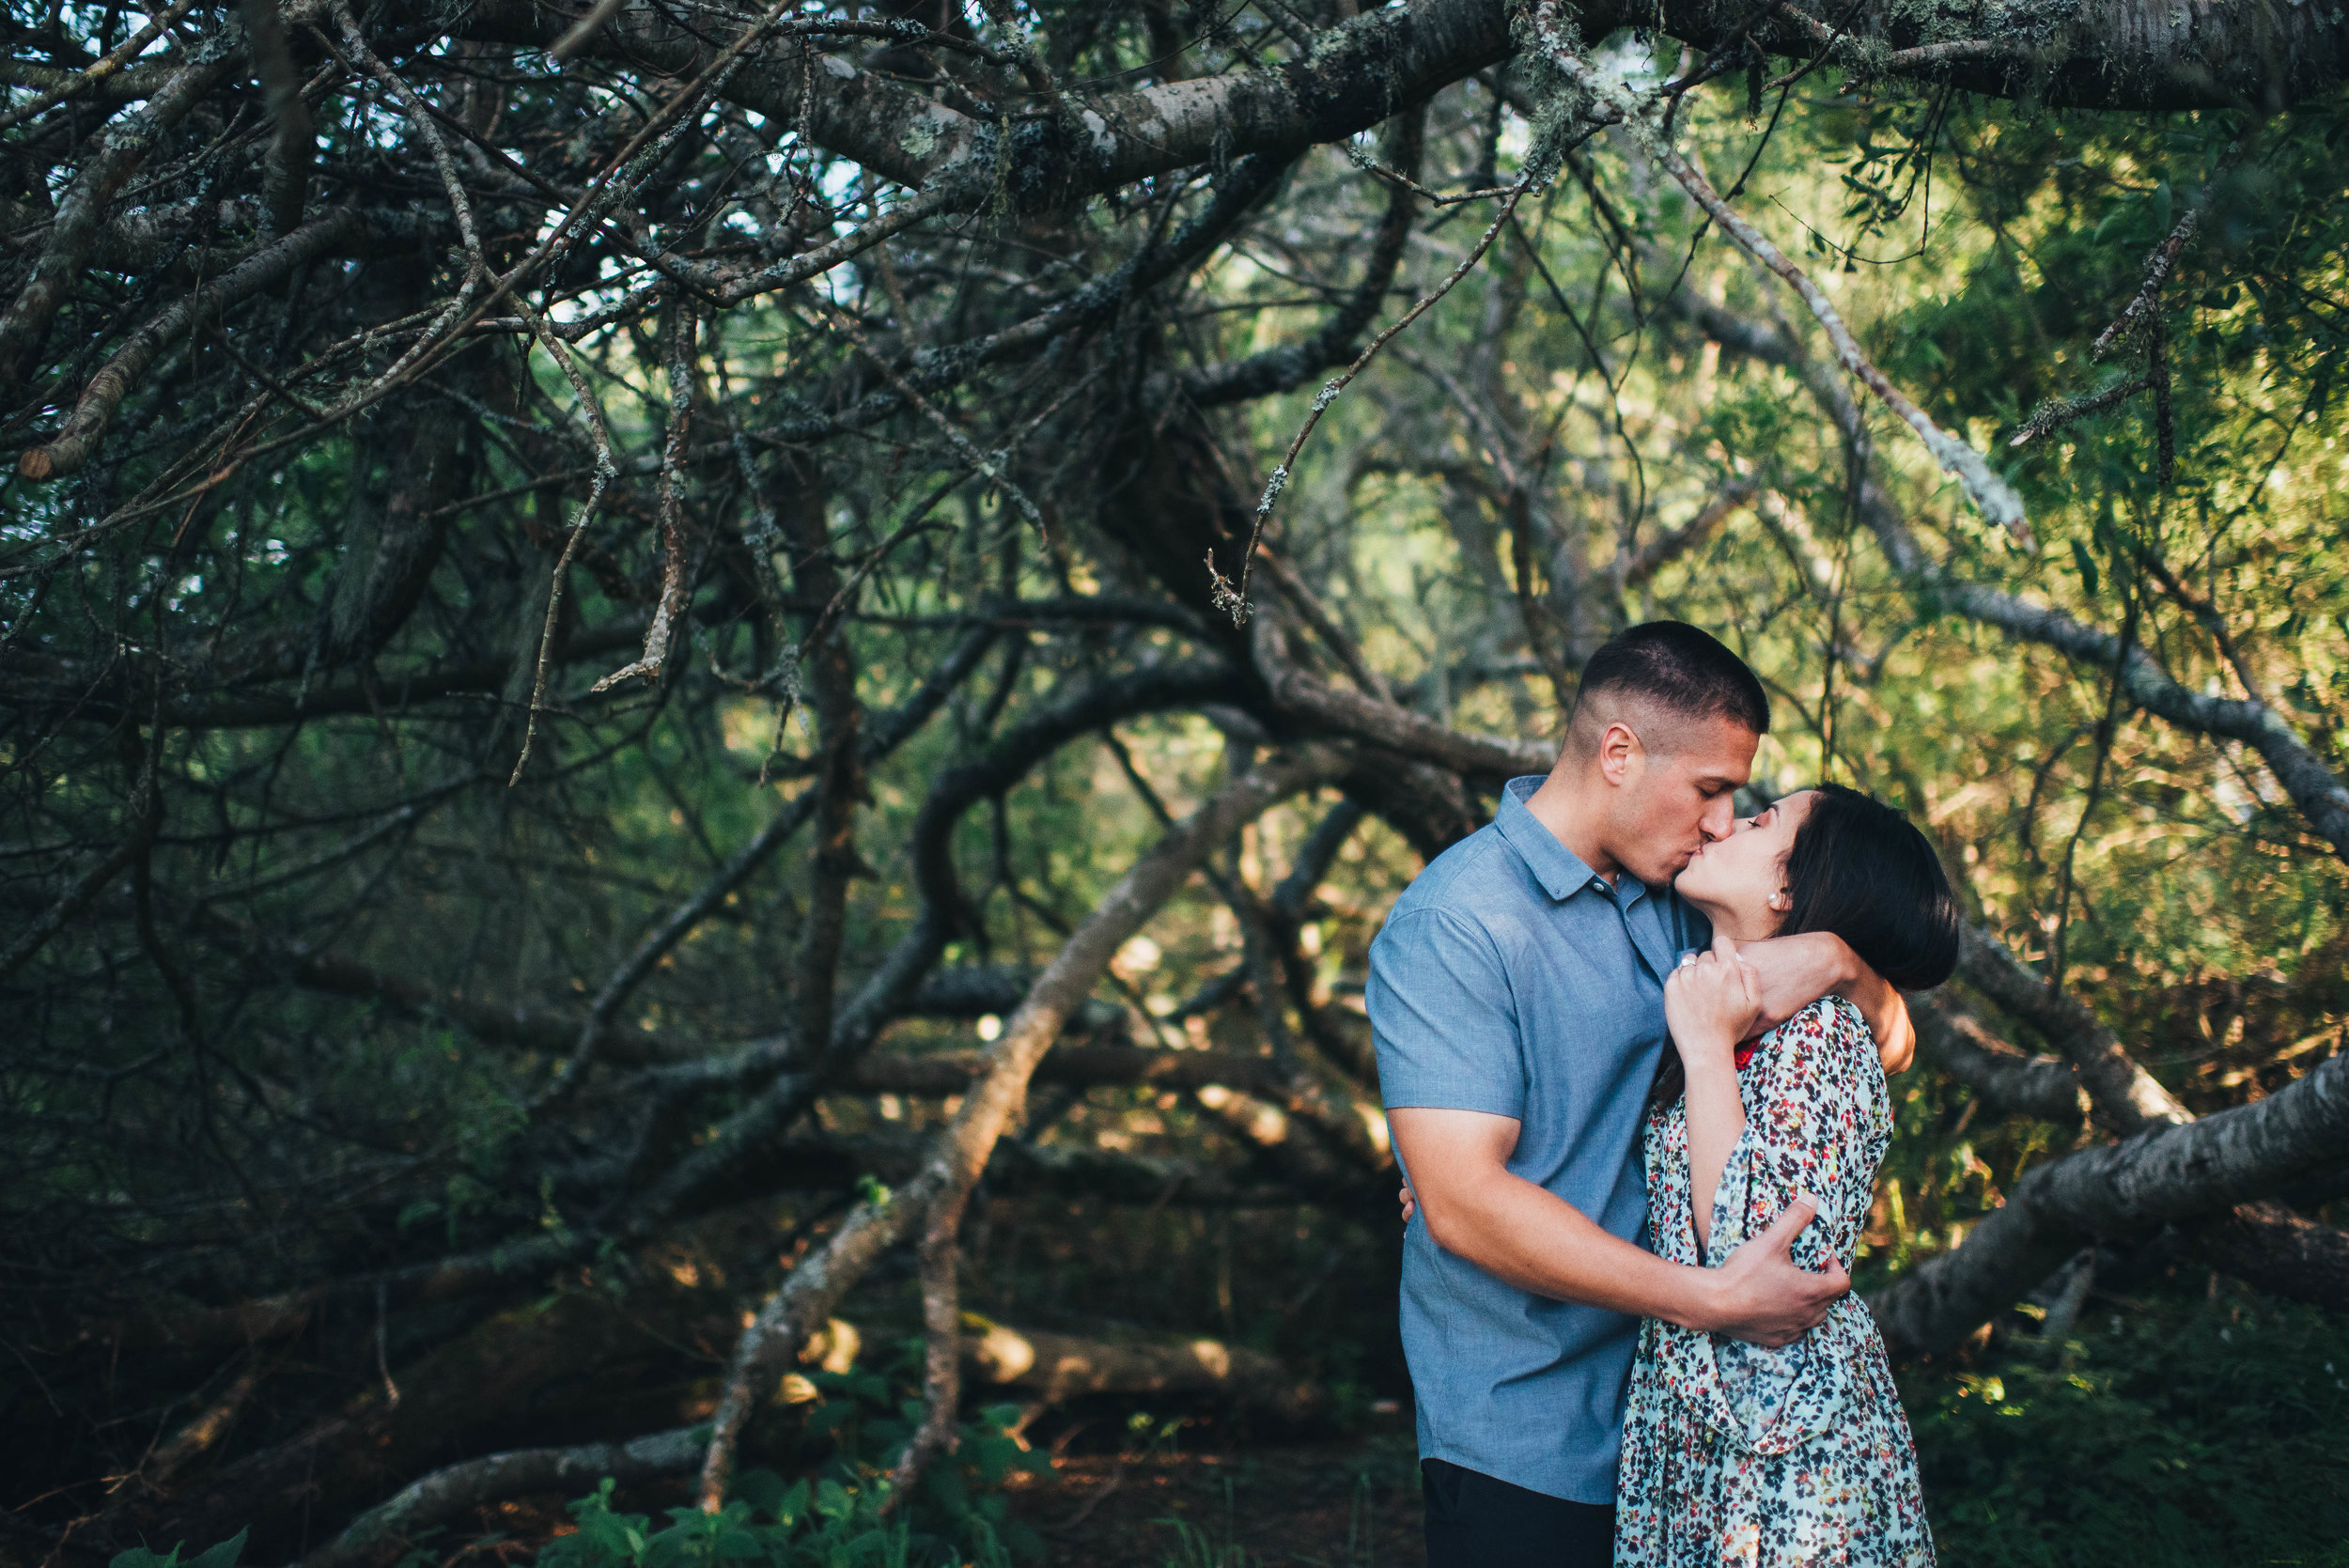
(1861, 870)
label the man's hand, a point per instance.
(1765, 1300)
(1476, 1209)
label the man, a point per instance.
(1515, 994)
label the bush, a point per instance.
(838, 1517)
(2172, 1432)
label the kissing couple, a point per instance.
(1633, 1051)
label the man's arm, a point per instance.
(1797, 971)
(1476, 1209)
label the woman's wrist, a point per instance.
(1709, 1051)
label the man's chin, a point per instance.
(1664, 873)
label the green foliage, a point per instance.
(223, 1556)
(842, 1515)
(2169, 1434)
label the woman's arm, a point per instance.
(1812, 1090)
(1709, 1005)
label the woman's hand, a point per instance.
(1410, 1204)
(1711, 1001)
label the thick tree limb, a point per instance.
(452, 1491)
(2268, 1246)
(77, 441)
(2044, 1087)
(942, 1073)
(1332, 343)
(1056, 1368)
(88, 202)
(2120, 54)
(1388, 725)
(2116, 1193)
(2126, 1096)
(1031, 1364)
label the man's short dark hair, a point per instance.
(1684, 670)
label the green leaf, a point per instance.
(991, 1457)
(944, 1486)
(762, 1489)
(223, 1556)
(139, 1556)
(2087, 565)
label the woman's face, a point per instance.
(1739, 881)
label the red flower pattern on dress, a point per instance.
(1736, 1455)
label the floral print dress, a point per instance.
(1736, 1455)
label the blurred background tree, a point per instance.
(704, 712)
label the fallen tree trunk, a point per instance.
(2117, 1194)
(1056, 1368)
(1047, 1368)
(2044, 1087)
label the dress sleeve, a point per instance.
(1810, 1101)
(1811, 1098)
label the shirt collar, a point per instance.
(1559, 870)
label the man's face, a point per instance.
(1675, 793)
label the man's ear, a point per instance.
(1619, 752)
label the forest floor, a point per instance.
(1345, 1504)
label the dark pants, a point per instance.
(1475, 1521)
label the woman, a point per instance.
(1733, 1453)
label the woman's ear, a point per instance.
(1782, 900)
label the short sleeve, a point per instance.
(1443, 1016)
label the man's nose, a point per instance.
(1720, 816)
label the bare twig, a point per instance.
(1992, 495)
(1233, 598)
(115, 58)
(2058, 414)
(674, 587)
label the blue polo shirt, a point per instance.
(1509, 979)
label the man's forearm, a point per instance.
(1886, 1011)
(1799, 970)
(1496, 1226)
